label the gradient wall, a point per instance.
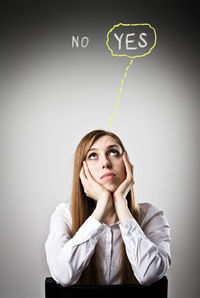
(51, 95)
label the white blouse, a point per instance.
(147, 246)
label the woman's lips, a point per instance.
(108, 176)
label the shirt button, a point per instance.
(126, 226)
(130, 235)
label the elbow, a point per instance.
(153, 273)
(63, 281)
(61, 270)
(62, 276)
(63, 273)
(148, 279)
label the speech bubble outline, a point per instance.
(124, 55)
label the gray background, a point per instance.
(51, 95)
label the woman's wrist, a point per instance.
(121, 208)
(103, 206)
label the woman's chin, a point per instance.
(110, 187)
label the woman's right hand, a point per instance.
(97, 192)
(92, 188)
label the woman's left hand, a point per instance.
(124, 188)
(119, 196)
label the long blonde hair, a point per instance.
(82, 207)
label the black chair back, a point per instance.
(156, 290)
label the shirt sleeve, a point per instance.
(68, 256)
(148, 246)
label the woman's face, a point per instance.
(105, 162)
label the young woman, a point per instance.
(104, 236)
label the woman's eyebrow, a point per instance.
(110, 146)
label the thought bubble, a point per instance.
(132, 41)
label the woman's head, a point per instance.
(101, 159)
(102, 151)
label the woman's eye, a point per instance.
(114, 152)
(92, 156)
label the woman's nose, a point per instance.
(106, 163)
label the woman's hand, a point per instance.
(92, 188)
(124, 188)
(119, 196)
(97, 192)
